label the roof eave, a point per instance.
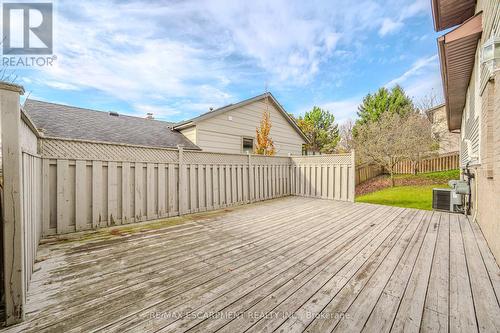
(470, 31)
(446, 16)
(444, 78)
(291, 121)
(183, 125)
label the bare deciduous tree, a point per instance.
(422, 143)
(394, 138)
(346, 143)
(428, 102)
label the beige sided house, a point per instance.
(470, 70)
(448, 142)
(231, 129)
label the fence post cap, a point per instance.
(12, 87)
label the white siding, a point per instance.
(471, 117)
(190, 134)
(224, 132)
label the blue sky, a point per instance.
(178, 58)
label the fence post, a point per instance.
(251, 190)
(289, 167)
(13, 239)
(352, 180)
(182, 182)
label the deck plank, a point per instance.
(485, 302)
(411, 307)
(296, 250)
(156, 293)
(280, 287)
(435, 316)
(198, 232)
(395, 298)
(307, 302)
(291, 264)
(355, 301)
(462, 314)
(227, 243)
(488, 259)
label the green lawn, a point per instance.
(438, 176)
(403, 196)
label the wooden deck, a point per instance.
(292, 264)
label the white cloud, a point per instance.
(61, 85)
(169, 52)
(342, 109)
(188, 55)
(422, 78)
(415, 8)
(429, 85)
(156, 110)
(419, 66)
(389, 26)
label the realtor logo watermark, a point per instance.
(27, 30)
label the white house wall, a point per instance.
(224, 132)
(190, 133)
(471, 119)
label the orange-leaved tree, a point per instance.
(265, 145)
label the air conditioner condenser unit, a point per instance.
(447, 199)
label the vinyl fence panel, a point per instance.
(121, 192)
(324, 176)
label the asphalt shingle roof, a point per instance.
(69, 122)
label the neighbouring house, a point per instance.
(231, 129)
(68, 122)
(448, 142)
(470, 70)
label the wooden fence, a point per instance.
(367, 171)
(444, 162)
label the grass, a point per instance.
(411, 191)
(383, 181)
(440, 176)
(419, 197)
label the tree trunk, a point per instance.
(391, 172)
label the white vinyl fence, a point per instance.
(87, 194)
(32, 210)
(326, 176)
(21, 201)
